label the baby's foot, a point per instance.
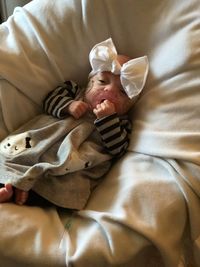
(21, 196)
(6, 193)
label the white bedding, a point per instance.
(146, 212)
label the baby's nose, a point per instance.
(109, 87)
(112, 87)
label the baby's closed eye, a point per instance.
(101, 81)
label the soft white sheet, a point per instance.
(147, 210)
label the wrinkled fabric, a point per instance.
(146, 210)
(49, 155)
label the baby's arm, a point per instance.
(114, 130)
(77, 108)
(60, 101)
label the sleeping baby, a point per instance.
(61, 155)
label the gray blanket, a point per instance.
(55, 158)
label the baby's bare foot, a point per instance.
(21, 196)
(6, 193)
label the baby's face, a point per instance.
(106, 85)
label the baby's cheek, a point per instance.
(123, 107)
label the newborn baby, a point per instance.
(114, 84)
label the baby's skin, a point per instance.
(7, 192)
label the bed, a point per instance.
(146, 211)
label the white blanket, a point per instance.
(146, 212)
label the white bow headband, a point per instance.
(133, 74)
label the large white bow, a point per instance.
(133, 74)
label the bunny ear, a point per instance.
(133, 75)
(103, 57)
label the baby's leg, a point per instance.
(6, 193)
(20, 196)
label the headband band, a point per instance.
(133, 73)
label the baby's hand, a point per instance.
(103, 109)
(77, 108)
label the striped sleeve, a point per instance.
(114, 133)
(59, 98)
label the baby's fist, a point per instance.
(104, 109)
(77, 108)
